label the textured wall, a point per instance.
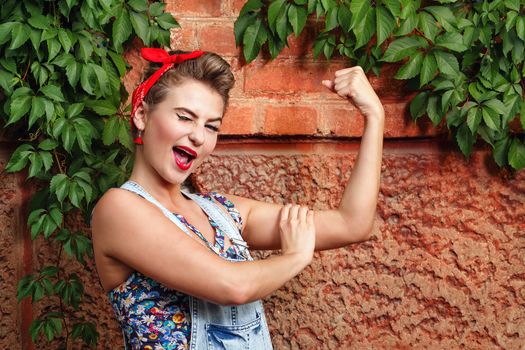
(445, 267)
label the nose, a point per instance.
(197, 135)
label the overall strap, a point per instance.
(221, 218)
(135, 187)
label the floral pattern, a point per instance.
(154, 317)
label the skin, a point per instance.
(130, 233)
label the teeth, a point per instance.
(183, 151)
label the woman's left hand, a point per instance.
(352, 84)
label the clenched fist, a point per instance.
(352, 83)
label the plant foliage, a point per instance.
(61, 73)
(465, 57)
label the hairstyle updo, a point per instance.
(210, 69)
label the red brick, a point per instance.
(218, 38)
(290, 120)
(201, 8)
(238, 120)
(183, 38)
(288, 77)
(237, 6)
(301, 45)
(347, 121)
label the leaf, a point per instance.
(87, 79)
(20, 34)
(465, 139)
(48, 145)
(37, 109)
(434, 113)
(452, 41)
(443, 15)
(85, 48)
(138, 5)
(418, 105)
(19, 158)
(74, 109)
(282, 25)
(500, 151)
(297, 17)
(39, 21)
(428, 69)
(156, 9)
(254, 36)
(65, 40)
(385, 24)
(411, 68)
(139, 21)
(102, 78)
(102, 107)
(401, 48)
(53, 48)
(73, 73)
(473, 119)
(167, 21)
(358, 8)
(275, 9)
(249, 6)
(447, 63)
(491, 118)
(240, 25)
(19, 107)
(517, 154)
(59, 185)
(53, 92)
(119, 62)
(5, 31)
(121, 29)
(497, 106)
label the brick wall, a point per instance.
(445, 267)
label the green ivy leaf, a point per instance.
(411, 68)
(444, 16)
(297, 17)
(401, 48)
(517, 154)
(240, 25)
(491, 118)
(5, 31)
(59, 185)
(19, 158)
(275, 9)
(447, 63)
(254, 36)
(53, 92)
(465, 139)
(250, 6)
(385, 24)
(138, 5)
(473, 119)
(452, 41)
(428, 25)
(139, 21)
(19, 107)
(166, 21)
(418, 106)
(20, 34)
(429, 69)
(37, 109)
(121, 29)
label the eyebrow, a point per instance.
(194, 115)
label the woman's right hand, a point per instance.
(297, 231)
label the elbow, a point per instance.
(235, 293)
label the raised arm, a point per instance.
(352, 221)
(132, 231)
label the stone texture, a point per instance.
(12, 263)
(445, 267)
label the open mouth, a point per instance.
(183, 157)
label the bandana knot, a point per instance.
(160, 56)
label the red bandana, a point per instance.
(160, 56)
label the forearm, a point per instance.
(253, 280)
(359, 201)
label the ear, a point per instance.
(140, 118)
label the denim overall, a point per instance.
(213, 326)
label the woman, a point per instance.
(194, 284)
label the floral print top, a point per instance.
(154, 317)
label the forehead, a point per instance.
(196, 96)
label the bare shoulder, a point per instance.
(113, 213)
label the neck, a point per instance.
(166, 192)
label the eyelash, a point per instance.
(184, 118)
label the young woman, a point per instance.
(176, 265)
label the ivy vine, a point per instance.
(466, 58)
(62, 96)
